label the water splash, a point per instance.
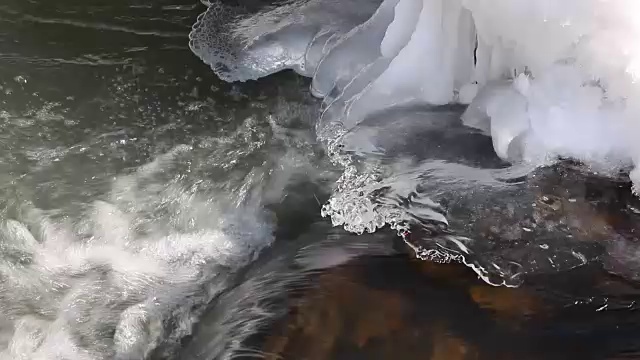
(106, 286)
(101, 262)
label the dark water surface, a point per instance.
(92, 90)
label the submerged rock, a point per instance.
(391, 308)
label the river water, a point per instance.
(134, 184)
(151, 210)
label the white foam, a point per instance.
(104, 286)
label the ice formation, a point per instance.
(544, 78)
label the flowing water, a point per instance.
(134, 184)
(152, 210)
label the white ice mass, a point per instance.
(544, 78)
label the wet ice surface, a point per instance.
(412, 162)
(151, 210)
